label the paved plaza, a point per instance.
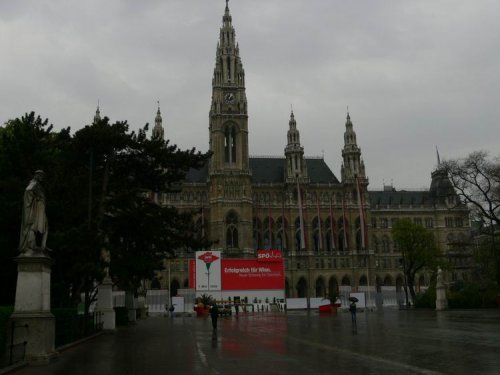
(384, 342)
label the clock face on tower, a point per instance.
(229, 98)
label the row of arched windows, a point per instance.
(265, 198)
(326, 235)
(321, 291)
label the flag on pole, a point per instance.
(301, 218)
(202, 223)
(361, 216)
(332, 225)
(269, 225)
(319, 224)
(344, 224)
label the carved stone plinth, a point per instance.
(441, 300)
(131, 305)
(105, 304)
(32, 318)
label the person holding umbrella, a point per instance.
(352, 308)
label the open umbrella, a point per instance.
(353, 299)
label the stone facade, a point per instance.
(333, 233)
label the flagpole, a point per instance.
(301, 218)
(319, 223)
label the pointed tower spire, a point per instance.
(97, 116)
(353, 166)
(158, 132)
(438, 158)
(294, 153)
(228, 138)
(229, 174)
(228, 69)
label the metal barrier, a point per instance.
(12, 345)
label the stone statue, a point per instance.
(439, 278)
(34, 225)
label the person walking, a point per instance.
(214, 314)
(352, 309)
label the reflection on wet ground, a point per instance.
(381, 342)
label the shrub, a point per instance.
(121, 316)
(67, 329)
(5, 313)
(471, 295)
(426, 299)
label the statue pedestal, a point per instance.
(130, 304)
(441, 301)
(105, 304)
(32, 319)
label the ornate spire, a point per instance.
(228, 68)
(158, 132)
(294, 152)
(353, 166)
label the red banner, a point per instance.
(192, 273)
(250, 274)
(269, 256)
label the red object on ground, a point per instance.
(325, 308)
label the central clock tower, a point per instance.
(229, 171)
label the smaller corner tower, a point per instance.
(296, 167)
(353, 166)
(158, 131)
(97, 116)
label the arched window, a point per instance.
(317, 233)
(385, 244)
(232, 230)
(302, 288)
(346, 281)
(257, 234)
(298, 242)
(281, 239)
(375, 243)
(343, 235)
(363, 281)
(333, 286)
(320, 287)
(450, 241)
(230, 144)
(388, 280)
(359, 237)
(268, 233)
(330, 234)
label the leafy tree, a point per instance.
(26, 144)
(138, 232)
(98, 188)
(419, 252)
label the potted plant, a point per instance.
(203, 304)
(332, 304)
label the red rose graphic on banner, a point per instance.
(208, 258)
(208, 270)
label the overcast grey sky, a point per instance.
(415, 74)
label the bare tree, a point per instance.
(476, 180)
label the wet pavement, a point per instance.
(383, 342)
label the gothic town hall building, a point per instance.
(334, 234)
